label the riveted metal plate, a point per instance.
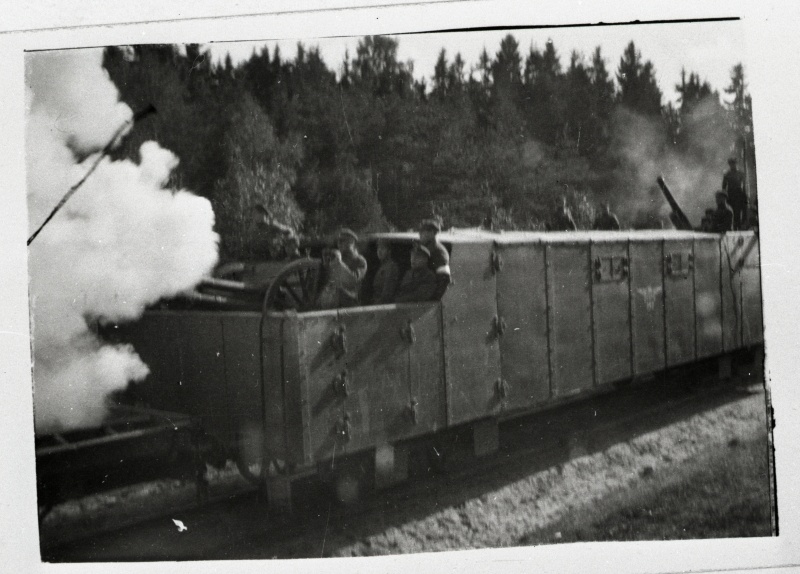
(708, 298)
(679, 301)
(570, 318)
(322, 406)
(730, 278)
(471, 345)
(611, 312)
(752, 323)
(377, 368)
(204, 372)
(425, 377)
(522, 302)
(647, 306)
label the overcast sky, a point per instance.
(708, 48)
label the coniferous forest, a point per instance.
(366, 145)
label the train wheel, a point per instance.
(252, 472)
(296, 286)
(354, 479)
(250, 454)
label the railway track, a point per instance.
(236, 524)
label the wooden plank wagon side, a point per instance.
(531, 320)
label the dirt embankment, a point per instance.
(690, 466)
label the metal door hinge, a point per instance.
(339, 341)
(497, 262)
(408, 334)
(343, 427)
(502, 388)
(412, 411)
(340, 386)
(499, 325)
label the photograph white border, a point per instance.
(771, 29)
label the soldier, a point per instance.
(733, 185)
(354, 267)
(562, 221)
(439, 258)
(292, 247)
(606, 221)
(265, 221)
(272, 231)
(328, 297)
(419, 283)
(722, 217)
(275, 249)
(385, 282)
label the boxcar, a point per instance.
(530, 320)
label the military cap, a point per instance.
(345, 232)
(721, 193)
(731, 160)
(420, 249)
(430, 224)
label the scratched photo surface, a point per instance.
(356, 296)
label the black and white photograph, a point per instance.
(422, 288)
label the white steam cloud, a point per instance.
(692, 177)
(121, 242)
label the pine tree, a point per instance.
(544, 107)
(506, 68)
(638, 88)
(740, 112)
(440, 83)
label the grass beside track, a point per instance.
(720, 493)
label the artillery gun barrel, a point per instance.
(195, 297)
(678, 218)
(226, 285)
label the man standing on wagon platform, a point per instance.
(439, 260)
(733, 186)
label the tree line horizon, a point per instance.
(372, 148)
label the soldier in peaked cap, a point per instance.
(439, 258)
(733, 185)
(722, 217)
(419, 283)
